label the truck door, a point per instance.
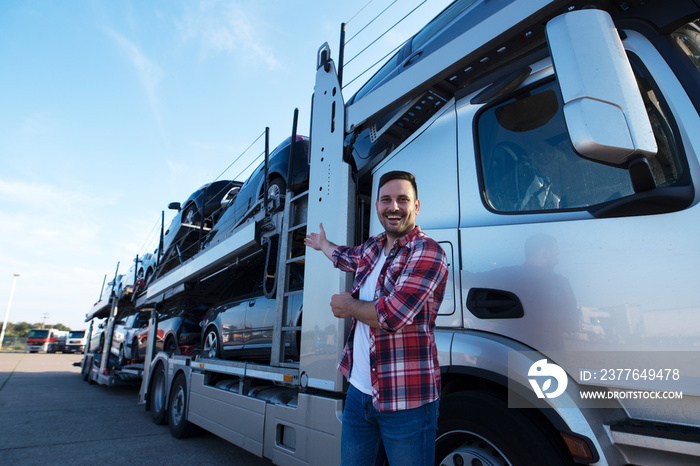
(431, 155)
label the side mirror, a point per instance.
(603, 108)
(174, 206)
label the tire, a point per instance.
(477, 427)
(276, 188)
(191, 216)
(212, 344)
(122, 356)
(93, 362)
(135, 349)
(85, 370)
(157, 396)
(180, 427)
(170, 346)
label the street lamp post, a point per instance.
(7, 311)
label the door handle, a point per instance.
(413, 59)
(486, 303)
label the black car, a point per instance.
(242, 329)
(449, 24)
(205, 205)
(178, 330)
(246, 202)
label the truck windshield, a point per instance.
(38, 334)
(76, 334)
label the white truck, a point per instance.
(555, 146)
(76, 341)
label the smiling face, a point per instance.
(397, 208)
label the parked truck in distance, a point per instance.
(76, 341)
(555, 145)
(45, 339)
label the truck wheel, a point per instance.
(85, 371)
(477, 427)
(156, 395)
(180, 427)
(212, 345)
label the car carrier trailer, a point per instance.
(543, 134)
(99, 365)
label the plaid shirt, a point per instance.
(403, 355)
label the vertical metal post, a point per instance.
(341, 55)
(267, 175)
(110, 325)
(160, 243)
(202, 218)
(104, 280)
(290, 167)
(150, 354)
(136, 270)
(7, 311)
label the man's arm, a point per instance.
(319, 242)
(344, 305)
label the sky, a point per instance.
(112, 109)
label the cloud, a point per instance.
(227, 28)
(47, 221)
(149, 73)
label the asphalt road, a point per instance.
(49, 415)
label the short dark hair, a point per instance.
(398, 175)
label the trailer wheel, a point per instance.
(156, 395)
(477, 427)
(85, 370)
(180, 427)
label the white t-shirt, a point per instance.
(360, 375)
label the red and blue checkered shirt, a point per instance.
(403, 355)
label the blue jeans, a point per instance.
(407, 437)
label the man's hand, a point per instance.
(344, 305)
(319, 242)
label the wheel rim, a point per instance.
(470, 449)
(178, 410)
(189, 217)
(274, 191)
(158, 400)
(211, 345)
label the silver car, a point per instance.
(242, 329)
(125, 330)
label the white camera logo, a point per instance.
(542, 369)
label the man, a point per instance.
(390, 358)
